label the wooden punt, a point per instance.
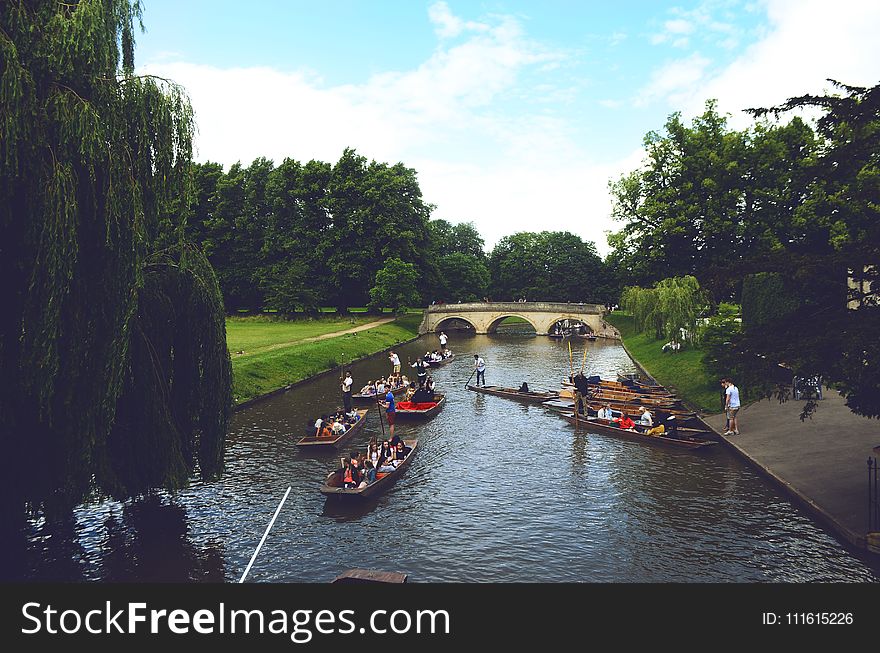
(441, 363)
(403, 412)
(362, 576)
(564, 405)
(338, 441)
(371, 399)
(669, 403)
(333, 483)
(603, 426)
(530, 397)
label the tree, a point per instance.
(550, 266)
(834, 237)
(114, 373)
(395, 286)
(708, 200)
(377, 213)
(463, 278)
(670, 309)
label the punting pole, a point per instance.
(265, 535)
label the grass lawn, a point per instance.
(260, 372)
(682, 372)
(253, 334)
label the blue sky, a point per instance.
(515, 114)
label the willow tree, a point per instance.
(670, 309)
(114, 373)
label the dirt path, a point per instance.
(279, 345)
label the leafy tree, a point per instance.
(834, 236)
(115, 373)
(719, 338)
(463, 278)
(708, 199)
(395, 286)
(670, 309)
(377, 214)
(550, 266)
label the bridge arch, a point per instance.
(439, 326)
(492, 327)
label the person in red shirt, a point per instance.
(625, 422)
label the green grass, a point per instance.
(513, 319)
(683, 372)
(262, 372)
(252, 334)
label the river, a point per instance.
(498, 492)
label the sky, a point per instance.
(515, 114)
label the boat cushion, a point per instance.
(408, 405)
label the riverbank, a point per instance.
(282, 356)
(682, 372)
(820, 463)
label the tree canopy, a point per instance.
(115, 373)
(782, 218)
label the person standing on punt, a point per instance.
(443, 340)
(395, 362)
(346, 391)
(480, 366)
(390, 411)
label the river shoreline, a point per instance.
(826, 483)
(273, 393)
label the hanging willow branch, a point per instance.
(113, 364)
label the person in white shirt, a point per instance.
(646, 420)
(731, 406)
(605, 413)
(480, 367)
(395, 362)
(346, 391)
(443, 340)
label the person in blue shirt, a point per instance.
(390, 411)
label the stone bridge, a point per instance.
(486, 316)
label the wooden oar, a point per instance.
(584, 362)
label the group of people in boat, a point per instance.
(646, 422)
(336, 424)
(419, 393)
(380, 386)
(437, 356)
(362, 469)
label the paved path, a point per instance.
(279, 345)
(822, 461)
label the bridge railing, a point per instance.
(544, 307)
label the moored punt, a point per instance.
(565, 405)
(603, 426)
(531, 397)
(342, 438)
(440, 363)
(364, 399)
(333, 484)
(424, 410)
(359, 576)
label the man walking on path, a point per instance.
(395, 362)
(480, 366)
(443, 340)
(346, 391)
(731, 406)
(390, 410)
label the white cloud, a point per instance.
(673, 79)
(476, 160)
(447, 25)
(678, 26)
(806, 42)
